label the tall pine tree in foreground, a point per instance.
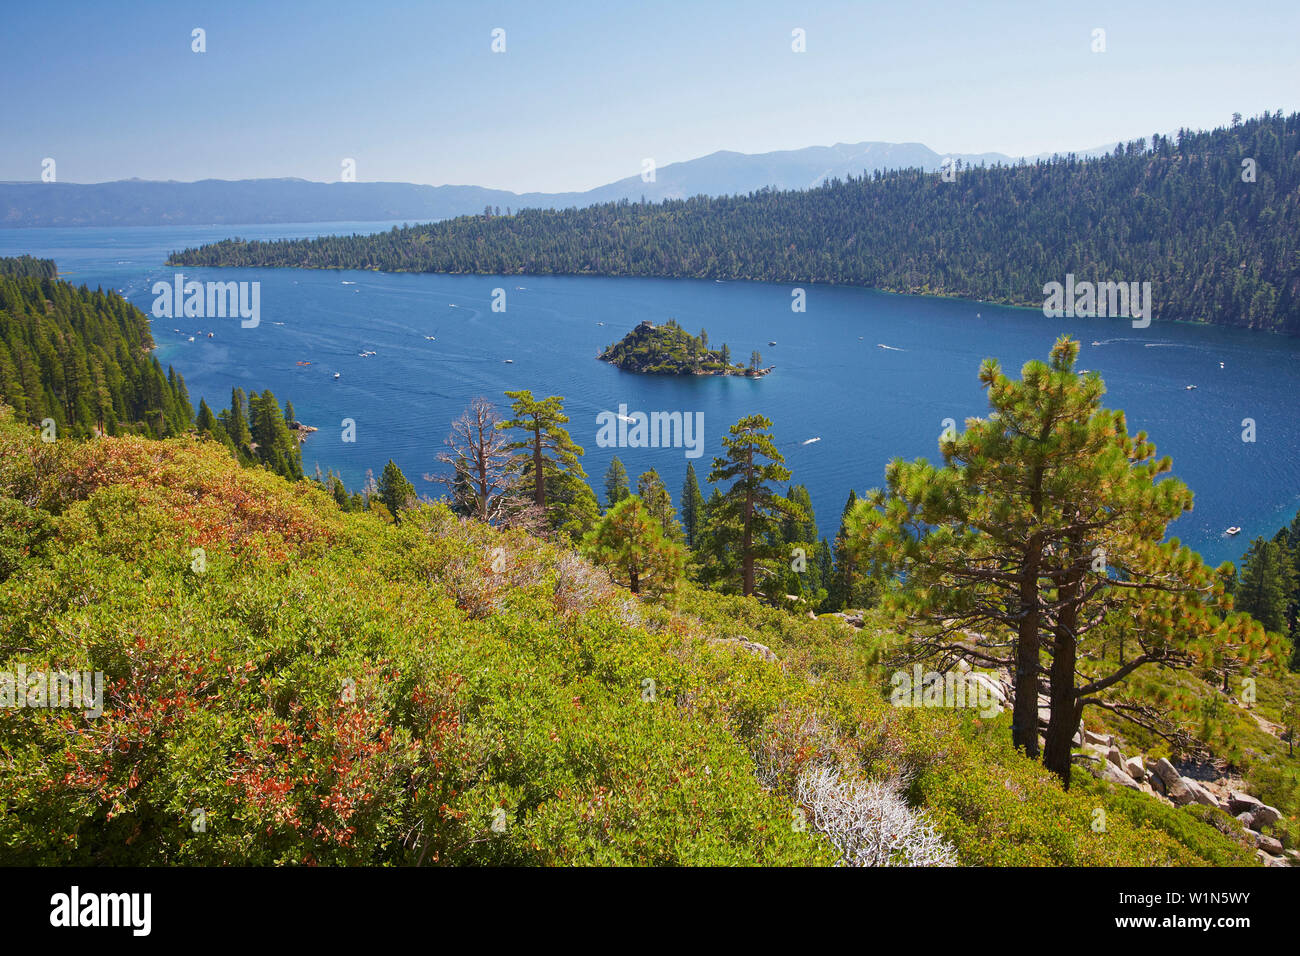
(545, 447)
(1043, 530)
(751, 504)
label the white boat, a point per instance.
(510, 361)
(1220, 365)
(1233, 530)
(191, 338)
(1190, 387)
(337, 374)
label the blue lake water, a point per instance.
(832, 381)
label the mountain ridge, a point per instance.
(291, 199)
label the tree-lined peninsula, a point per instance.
(1211, 219)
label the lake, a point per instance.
(832, 381)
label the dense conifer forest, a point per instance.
(1209, 218)
(82, 359)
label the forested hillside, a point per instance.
(1218, 240)
(326, 687)
(82, 358)
(82, 361)
(21, 266)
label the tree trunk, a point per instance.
(1063, 719)
(1024, 709)
(1065, 713)
(747, 543)
(747, 561)
(539, 481)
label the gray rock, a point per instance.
(1114, 774)
(1239, 802)
(1175, 787)
(1135, 769)
(1265, 816)
(752, 646)
(1199, 793)
(1269, 844)
(1101, 740)
(1158, 785)
(1117, 758)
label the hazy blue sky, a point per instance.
(585, 90)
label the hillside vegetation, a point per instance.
(1211, 219)
(81, 360)
(290, 683)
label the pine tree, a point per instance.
(650, 489)
(1045, 529)
(716, 542)
(1267, 584)
(750, 502)
(692, 503)
(571, 506)
(205, 422)
(629, 542)
(850, 588)
(235, 422)
(546, 446)
(395, 491)
(799, 571)
(616, 483)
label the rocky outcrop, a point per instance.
(1160, 779)
(1239, 803)
(1265, 816)
(762, 650)
(1113, 773)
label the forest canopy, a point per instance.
(1209, 218)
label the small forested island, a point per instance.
(669, 349)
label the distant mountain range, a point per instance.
(137, 202)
